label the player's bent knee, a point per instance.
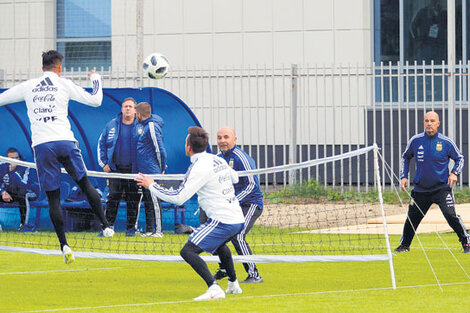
(189, 249)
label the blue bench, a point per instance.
(82, 205)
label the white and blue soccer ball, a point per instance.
(156, 66)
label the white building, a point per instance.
(232, 61)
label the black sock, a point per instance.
(94, 200)
(190, 254)
(57, 218)
(226, 261)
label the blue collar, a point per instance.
(228, 152)
(431, 137)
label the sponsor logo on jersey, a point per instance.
(111, 133)
(224, 178)
(47, 119)
(219, 165)
(6, 179)
(49, 109)
(420, 154)
(45, 85)
(46, 98)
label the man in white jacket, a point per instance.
(212, 179)
(53, 142)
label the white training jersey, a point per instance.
(212, 179)
(47, 100)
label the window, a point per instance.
(422, 26)
(84, 33)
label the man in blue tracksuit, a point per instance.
(151, 159)
(248, 193)
(15, 183)
(117, 152)
(432, 182)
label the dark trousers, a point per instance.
(21, 199)
(421, 201)
(251, 212)
(153, 212)
(132, 197)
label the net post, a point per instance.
(384, 221)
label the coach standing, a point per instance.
(248, 193)
(432, 182)
(151, 159)
(117, 152)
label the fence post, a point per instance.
(139, 39)
(451, 67)
(293, 124)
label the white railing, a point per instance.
(320, 110)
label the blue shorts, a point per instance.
(213, 234)
(50, 156)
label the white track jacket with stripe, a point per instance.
(212, 179)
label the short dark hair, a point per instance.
(13, 150)
(144, 108)
(198, 139)
(129, 99)
(51, 59)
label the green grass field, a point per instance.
(39, 283)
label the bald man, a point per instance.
(432, 181)
(248, 193)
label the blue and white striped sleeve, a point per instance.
(405, 160)
(248, 181)
(457, 156)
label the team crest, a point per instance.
(230, 163)
(139, 131)
(439, 146)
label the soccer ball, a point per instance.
(156, 66)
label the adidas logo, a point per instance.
(420, 147)
(449, 198)
(45, 85)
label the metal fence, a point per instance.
(296, 113)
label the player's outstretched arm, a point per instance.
(12, 95)
(79, 94)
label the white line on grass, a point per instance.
(244, 297)
(59, 271)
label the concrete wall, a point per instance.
(204, 37)
(210, 33)
(27, 27)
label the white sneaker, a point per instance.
(233, 288)
(157, 234)
(108, 232)
(154, 234)
(213, 293)
(68, 255)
